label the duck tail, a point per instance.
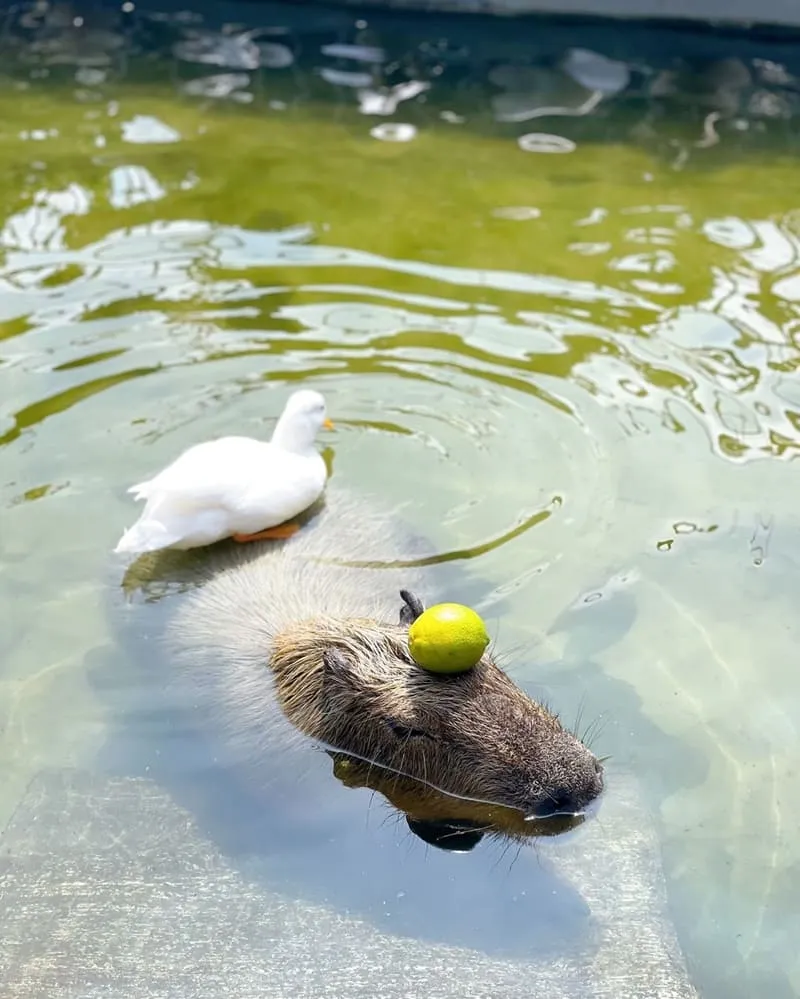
(140, 491)
(145, 536)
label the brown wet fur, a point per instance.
(353, 685)
(285, 631)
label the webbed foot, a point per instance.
(280, 532)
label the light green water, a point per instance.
(608, 336)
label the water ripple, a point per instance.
(569, 368)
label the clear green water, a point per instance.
(608, 335)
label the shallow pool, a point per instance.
(552, 300)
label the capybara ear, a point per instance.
(411, 609)
(334, 662)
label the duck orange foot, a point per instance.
(280, 532)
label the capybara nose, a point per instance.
(558, 804)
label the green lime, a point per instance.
(447, 638)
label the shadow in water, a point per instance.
(323, 826)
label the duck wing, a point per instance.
(217, 473)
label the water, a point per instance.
(572, 357)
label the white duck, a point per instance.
(235, 486)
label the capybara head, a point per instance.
(353, 685)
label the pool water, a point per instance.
(552, 301)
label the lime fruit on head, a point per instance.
(447, 638)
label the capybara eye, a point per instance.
(404, 731)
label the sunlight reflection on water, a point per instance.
(577, 372)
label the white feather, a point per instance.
(233, 485)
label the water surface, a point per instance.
(598, 327)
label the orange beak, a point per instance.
(327, 424)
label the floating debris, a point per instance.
(359, 53)
(211, 49)
(523, 107)
(133, 185)
(536, 92)
(345, 78)
(393, 132)
(38, 134)
(275, 56)
(385, 101)
(220, 86)
(541, 142)
(233, 51)
(767, 104)
(710, 134)
(89, 77)
(517, 213)
(774, 73)
(145, 129)
(596, 72)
